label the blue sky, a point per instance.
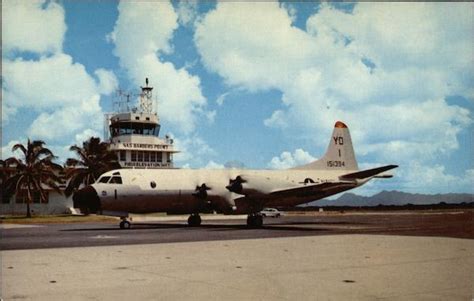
(259, 83)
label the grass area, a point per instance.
(56, 219)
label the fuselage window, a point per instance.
(153, 184)
(116, 180)
(104, 179)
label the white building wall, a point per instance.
(58, 204)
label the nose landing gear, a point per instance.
(125, 224)
(194, 220)
(254, 220)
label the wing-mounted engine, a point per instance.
(212, 199)
(201, 191)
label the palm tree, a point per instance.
(33, 172)
(95, 158)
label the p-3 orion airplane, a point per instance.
(229, 191)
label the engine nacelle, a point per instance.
(251, 185)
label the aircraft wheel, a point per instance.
(258, 221)
(125, 225)
(194, 220)
(254, 221)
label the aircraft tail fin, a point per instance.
(340, 153)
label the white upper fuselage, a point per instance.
(174, 190)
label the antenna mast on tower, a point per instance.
(146, 98)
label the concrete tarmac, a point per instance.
(332, 267)
(351, 256)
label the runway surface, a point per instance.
(359, 256)
(459, 224)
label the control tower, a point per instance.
(133, 133)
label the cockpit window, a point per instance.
(116, 180)
(104, 179)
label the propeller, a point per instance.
(201, 191)
(235, 185)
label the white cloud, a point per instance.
(108, 83)
(35, 26)
(86, 135)
(287, 159)
(66, 120)
(187, 12)
(253, 45)
(396, 109)
(59, 93)
(213, 165)
(194, 151)
(51, 82)
(436, 178)
(142, 33)
(7, 149)
(220, 99)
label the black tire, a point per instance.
(194, 220)
(258, 221)
(125, 225)
(255, 221)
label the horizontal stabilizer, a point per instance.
(367, 173)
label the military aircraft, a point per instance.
(229, 191)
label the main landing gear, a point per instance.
(125, 224)
(254, 220)
(194, 220)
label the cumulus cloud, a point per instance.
(51, 82)
(287, 159)
(435, 177)
(108, 83)
(63, 97)
(193, 150)
(385, 68)
(213, 165)
(187, 12)
(142, 33)
(7, 149)
(36, 26)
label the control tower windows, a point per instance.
(152, 157)
(159, 157)
(134, 156)
(134, 128)
(123, 155)
(146, 157)
(140, 156)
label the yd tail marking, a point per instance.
(338, 140)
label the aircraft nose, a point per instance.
(87, 200)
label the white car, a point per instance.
(270, 212)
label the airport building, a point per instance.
(133, 134)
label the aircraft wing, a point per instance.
(367, 173)
(312, 189)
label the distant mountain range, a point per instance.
(397, 198)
